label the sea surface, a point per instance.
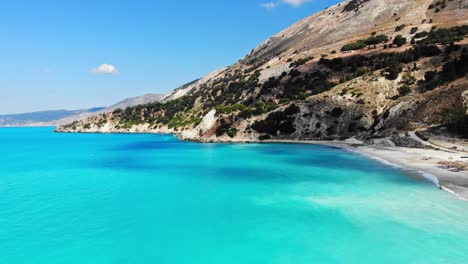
(139, 199)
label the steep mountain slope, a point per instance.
(362, 68)
(61, 117)
(129, 102)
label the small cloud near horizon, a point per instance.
(296, 3)
(105, 69)
(269, 5)
(293, 3)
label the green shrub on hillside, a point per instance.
(181, 120)
(404, 90)
(292, 110)
(294, 73)
(223, 128)
(456, 118)
(430, 75)
(421, 34)
(455, 68)
(360, 44)
(354, 46)
(230, 109)
(394, 69)
(399, 40)
(446, 35)
(353, 5)
(300, 62)
(400, 27)
(276, 123)
(376, 40)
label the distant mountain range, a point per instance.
(59, 117)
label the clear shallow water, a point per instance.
(153, 199)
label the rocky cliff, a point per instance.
(362, 68)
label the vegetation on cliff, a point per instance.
(279, 90)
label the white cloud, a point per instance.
(296, 3)
(293, 3)
(105, 69)
(269, 5)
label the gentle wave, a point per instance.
(428, 176)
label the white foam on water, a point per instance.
(454, 193)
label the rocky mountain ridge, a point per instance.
(362, 68)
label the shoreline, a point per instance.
(411, 161)
(408, 160)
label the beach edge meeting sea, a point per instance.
(426, 162)
(386, 78)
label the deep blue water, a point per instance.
(76, 198)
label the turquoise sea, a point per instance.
(115, 199)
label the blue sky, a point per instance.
(51, 50)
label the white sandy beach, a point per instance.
(412, 160)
